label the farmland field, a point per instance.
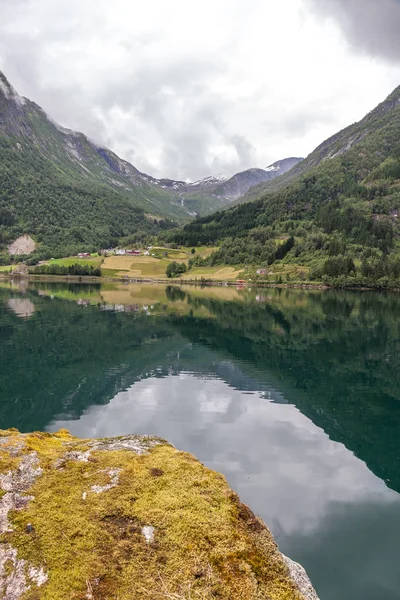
(216, 273)
(149, 267)
(140, 266)
(94, 261)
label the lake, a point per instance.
(293, 395)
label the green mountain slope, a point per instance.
(334, 146)
(64, 190)
(337, 214)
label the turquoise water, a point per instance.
(293, 395)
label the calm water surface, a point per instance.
(293, 395)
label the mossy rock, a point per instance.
(129, 518)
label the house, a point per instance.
(261, 271)
(120, 252)
(134, 252)
(84, 255)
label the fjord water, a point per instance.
(294, 395)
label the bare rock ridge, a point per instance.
(129, 517)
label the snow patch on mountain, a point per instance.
(9, 92)
(212, 179)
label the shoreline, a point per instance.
(194, 282)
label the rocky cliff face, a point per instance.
(129, 517)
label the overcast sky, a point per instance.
(187, 89)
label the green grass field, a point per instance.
(184, 252)
(171, 254)
(202, 251)
(94, 261)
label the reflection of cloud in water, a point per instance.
(320, 501)
(22, 307)
(277, 459)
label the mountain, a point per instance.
(69, 193)
(65, 190)
(282, 166)
(71, 149)
(197, 197)
(336, 213)
(335, 146)
(239, 184)
(212, 193)
(74, 153)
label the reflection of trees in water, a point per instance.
(174, 293)
(336, 355)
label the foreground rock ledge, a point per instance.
(126, 518)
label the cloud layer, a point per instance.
(187, 90)
(371, 26)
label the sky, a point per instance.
(190, 89)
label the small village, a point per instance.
(117, 252)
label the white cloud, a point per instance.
(187, 90)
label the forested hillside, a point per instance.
(65, 191)
(338, 216)
(64, 216)
(70, 194)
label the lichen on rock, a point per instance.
(127, 518)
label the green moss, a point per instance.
(206, 544)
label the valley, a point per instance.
(332, 218)
(199, 300)
(68, 192)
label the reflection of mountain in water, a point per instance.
(334, 355)
(72, 356)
